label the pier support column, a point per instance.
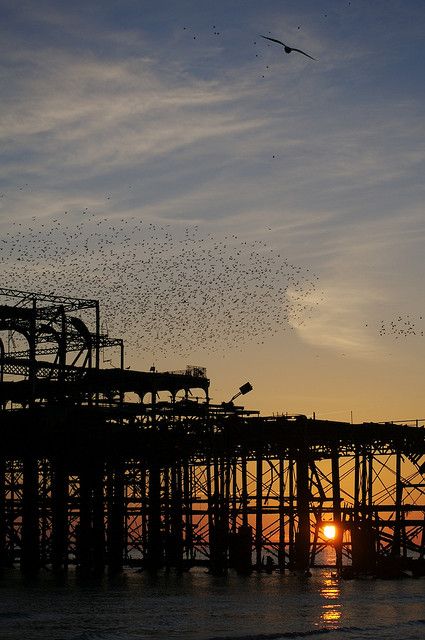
(91, 529)
(155, 548)
(302, 539)
(98, 510)
(244, 501)
(174, 542)
(59, 552)
(116, 513)
(240, 540)
(363, 535)
(234, 498)
(336, 504)
(259, 511)
(3, 549)
(187, 500)
(364, 487)
(281, 550)
(218, 531)
(291, 513)
(356, 492)
(84, 534)
(144, 511)
(396, 543)
(30, 549)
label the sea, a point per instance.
(138, 606)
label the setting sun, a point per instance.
(329, 531)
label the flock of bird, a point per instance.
(166, 292)
(402, 326)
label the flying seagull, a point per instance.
(288, 49)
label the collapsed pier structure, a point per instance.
(102, 467)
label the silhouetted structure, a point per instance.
(106, 467)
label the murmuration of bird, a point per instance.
(401, 326)
(166, 291)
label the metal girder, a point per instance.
(69, 304)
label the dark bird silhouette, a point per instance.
(288, 49)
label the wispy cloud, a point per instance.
(359, 285)
(311, 157)
(338, 321)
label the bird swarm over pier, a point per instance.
(167, 291)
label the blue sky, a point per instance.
(168, 112)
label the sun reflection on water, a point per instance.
(331, 607)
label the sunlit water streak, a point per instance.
(197, 605)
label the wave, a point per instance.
(285, 634)
(314, 632)
(4, 615)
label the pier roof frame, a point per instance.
(68, 303)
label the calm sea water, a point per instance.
(137, 606)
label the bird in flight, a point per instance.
(288, 49)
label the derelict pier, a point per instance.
(106, 467)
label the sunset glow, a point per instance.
(329, 531)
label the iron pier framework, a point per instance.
(106, 467)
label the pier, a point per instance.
(103, 468)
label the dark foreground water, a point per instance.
(196, 605)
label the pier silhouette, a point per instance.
(107, 467)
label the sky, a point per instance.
(232, 206)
